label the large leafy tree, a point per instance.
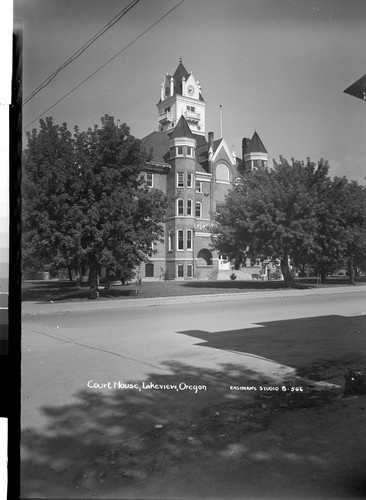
(100, 207)
(341, 234)
(296, 210)
(48, 188)
(230, 233)
(275, 211)
(352, 223)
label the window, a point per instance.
(170, 243)
(180, 179)
(189, 271)
(189, 150)
(189, 179)
(199, 186)
(179, 150)
(198, 210)
(180, 239)
(180, 206)
(222, 172)
(149, 179)
(149, 270)
(189, 206)
(180, 268)
(189, 239)
(166, 110)
(191, 108)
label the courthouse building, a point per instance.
(195, 171)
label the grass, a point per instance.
(55, 290)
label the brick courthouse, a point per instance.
(196, 173)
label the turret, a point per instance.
(254, 154)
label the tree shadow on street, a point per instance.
(320, 348)
(187, 442)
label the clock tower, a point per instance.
(181, 95)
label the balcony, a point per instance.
(190, 116)
(165, 117)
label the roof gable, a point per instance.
(220, 148)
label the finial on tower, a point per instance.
(180, 60)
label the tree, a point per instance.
(341, 237)
(230, 233)
(352, 201)
(99, 212)
(48, 184)
(275, 211)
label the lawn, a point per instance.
(57, 290)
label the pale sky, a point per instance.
(276, 66)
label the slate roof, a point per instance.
(180, 72)
(255, 145)
(200, 140)
(358, 89)
(159, 143)
(182, 129)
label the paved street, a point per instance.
(63, 351)
(76, 361)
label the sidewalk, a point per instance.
(138, 301)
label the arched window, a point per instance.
(222, 172)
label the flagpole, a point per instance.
(220, 121)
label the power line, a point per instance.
(105, 64)
(82, 49)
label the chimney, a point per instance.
(210, 140)
(245, 143)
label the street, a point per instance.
(121, 372)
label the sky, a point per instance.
(278, 67)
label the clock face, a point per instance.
(190, 90)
